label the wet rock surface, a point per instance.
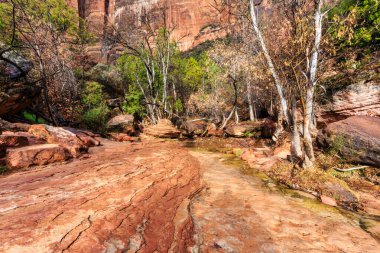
(153, 196)
(237, 214)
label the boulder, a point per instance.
(58, 135)
(330, 191)
(10, 71)
(25, 157)
(163, 129)
(244, 129)
(15, 92)
(122, 123)
(356, 99)
(88, 138)
(32, 140)
(196, 127)
(357, 139)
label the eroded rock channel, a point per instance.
(157, 196)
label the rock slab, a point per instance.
(61, 136)
(25, 157)
(125, 197)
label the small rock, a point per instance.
(36, 155)
(328, 201)
(121, 137)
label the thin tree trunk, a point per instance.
(236, 116)
(296, 149)
(250, 105)
(272, 69)
(311, 83)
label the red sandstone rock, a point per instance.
(328, 201)
(122, 123)
(13, 127)
(357, 137)
(243, 129)
(36, 155)
(117, 200)
(88, 138)
(121, 137)
(60, 136)
(356, 99)
(163, 129)
(10, 141)
(196, 21)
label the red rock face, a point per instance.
(195, 21)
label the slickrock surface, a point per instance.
(237, 214)
(124, 197)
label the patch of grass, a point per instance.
(3, 170)
(32, 117)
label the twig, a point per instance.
(351, 169)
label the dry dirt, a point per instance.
(146, 197)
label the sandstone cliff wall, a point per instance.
(195, 21)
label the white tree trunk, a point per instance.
(296, 149)
(250, 105)
(311, 83)
(272, 69)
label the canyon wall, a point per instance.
(195, 21)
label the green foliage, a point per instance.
(356, 23)
(178, 106)
(133, 103)
(96, 118)
(29, 14)
(33, 118)
(97, 113)
(336, 147)
(93, 94)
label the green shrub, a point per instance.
(133, 103)
(3, 170)
(356, 23)
(93, 94)
(32, 117)
(96, 111)
(96, 118)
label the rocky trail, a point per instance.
(157, 196)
